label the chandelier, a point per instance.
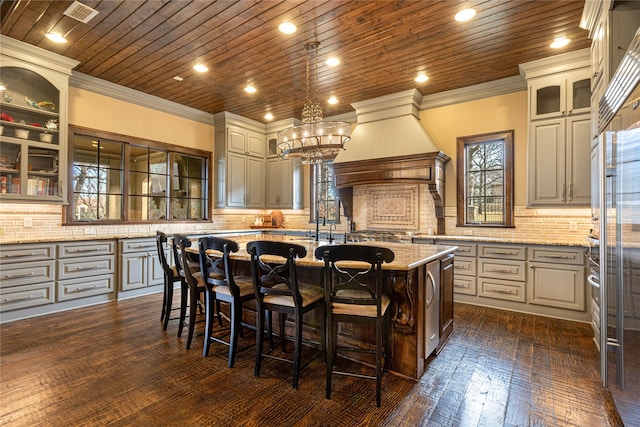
(314, 140)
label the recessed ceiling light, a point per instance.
(55, 37)
(287, 28)
(178, 78)
(422, 77)
(268, 116)
(465, 15)
(332, 61)
(332, 100)
(201, 68)
(560, 42)
(250, 89)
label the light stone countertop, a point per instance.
(339, 236)
(407, 256)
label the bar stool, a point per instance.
(188, 268)
(352, 277)
(222, 285)
(275, 281)
(171, 276)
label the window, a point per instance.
(324, 198)
(124, 179)
(485, 180)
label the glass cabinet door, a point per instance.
(30, 149)
(580, 98)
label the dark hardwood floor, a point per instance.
(113, 364)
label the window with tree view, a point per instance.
(115, 179)
(485, 180)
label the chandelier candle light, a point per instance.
(314, 140)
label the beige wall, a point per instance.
(498, 113)
(91, 110)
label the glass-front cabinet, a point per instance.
(33, 124)
(560, 95)
(30, 145)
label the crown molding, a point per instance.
(556, 64)
(103, 87)
(18, 50)
(472, 93)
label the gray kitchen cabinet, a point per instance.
(139, 264)
(547, 280)
(560, 163)
(502, 271)
(27, 277)
(85, 269)
(559, 140)
(557, 277)
(279, 183)
(240, 151)
(33, 135)
(464, 272)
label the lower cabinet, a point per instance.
(140, 266)
(85, 269)
(27, 276)
(557, 278)
(539, 279)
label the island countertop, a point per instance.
(407, 255)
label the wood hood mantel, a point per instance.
(427, 168)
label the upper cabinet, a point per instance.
(611, 26)
(284, 179)
(33, 123)
(559, 140)
(240, 152)
(560, 95)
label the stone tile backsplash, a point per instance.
(21, 222)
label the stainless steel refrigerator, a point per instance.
(619, 142)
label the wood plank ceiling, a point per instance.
(382, 46)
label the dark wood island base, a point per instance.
(420, 284)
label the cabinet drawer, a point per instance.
(557, 255)
(10, 254)
(465, 266)
(464, 285)
(79, 288)
(89, 248)
(138, 245)
(17, 297)
(464, 249)
(85, 267)
(27, 273)
(502, 251)
(501, 269)
(501, 289)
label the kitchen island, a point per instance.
(420, 283)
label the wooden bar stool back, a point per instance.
(275, 281)
(188, 268)
(216, 268)
(353, 291)
(171, 276)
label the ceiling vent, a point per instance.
(80, 12)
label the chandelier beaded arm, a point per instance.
(314, 140)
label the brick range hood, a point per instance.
(390, 146)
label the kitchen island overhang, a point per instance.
(412, 281)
